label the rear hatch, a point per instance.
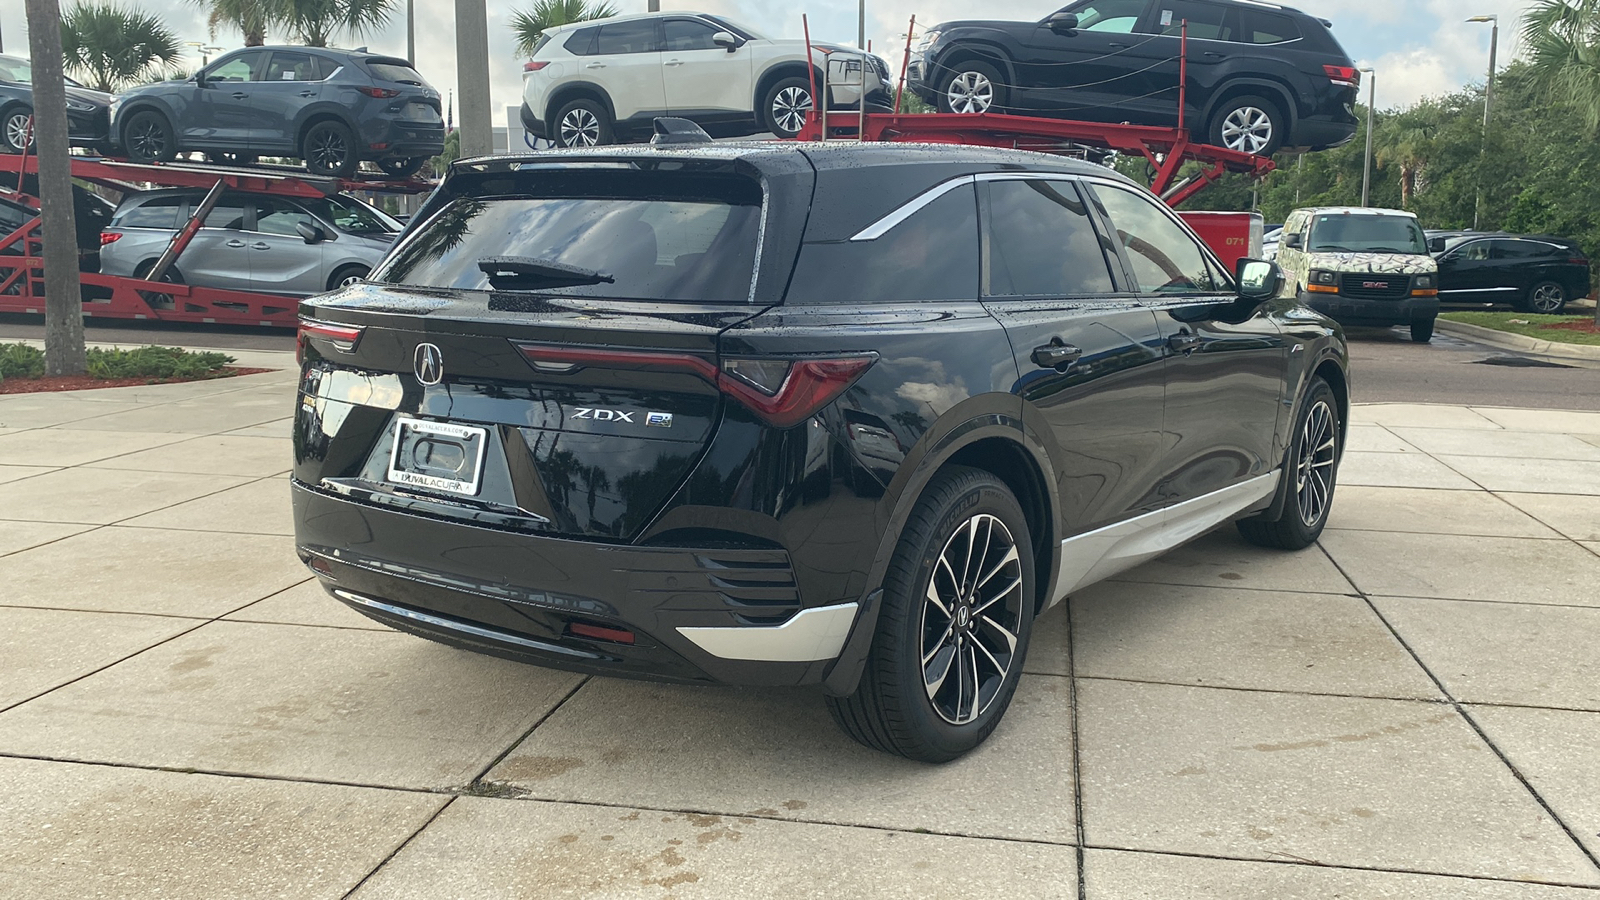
(539, 353)
(414, 99)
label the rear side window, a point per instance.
(931, 256)
(1165, 259)
(638, 36)
(658, 237)
(158, 212)
(287, 65)
(1261, 27)
(228, 213)
(1523, 250)
(582, 42)
(394, 70)
(1206, 20)
(1042, 243)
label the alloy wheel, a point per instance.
(580, 128)
(1247, 129)
(1546, 298)
(146, 140)
(971, 615)
(327, 151)
(18, 131)
(790, 107)
(350, 279)
(1314, 471)
(970, 92)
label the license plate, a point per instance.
(421, 112)
(438, 455)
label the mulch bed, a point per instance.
(1586, 326)
(89, 382)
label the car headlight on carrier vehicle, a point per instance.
(928, 37)
(79, 105)
(1322, 281)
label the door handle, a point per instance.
(237, 95)
(595, 66)
(308, 93)
(673, 62)
(234, 244)
(1184, 342)
(261, 245)
(1118, 46)
(1056, 355)
(1213, 54)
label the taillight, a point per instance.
(110, 237)
(534, 65)
(1344, 76)
(378, 92)
(342, 337)
(1575, 261)
(784, 392)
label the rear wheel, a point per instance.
(404, 167)
(148, 138)
(1249, 124)
(787, 105)
(329, 149)
(155, 299)
(1310, 472)
(953, 631)
(344, 276)
(971, 87)
(16, 130)
(1422, 330)
(583, 123)
(1547, 298)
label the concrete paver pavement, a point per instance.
(1406, 710)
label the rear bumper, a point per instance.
(696, 615)
(532, 122)
(1324, 131)
(1378, 313)
(408, 139)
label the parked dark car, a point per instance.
(1535, 273)
(1261, 77)
(88, 112)
(331, 108)
(91, 213)
(588, 415)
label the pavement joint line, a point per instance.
(1536, 603)
(399, 847)
(1232, 587)
(1462, 711)
(1253, 690)
(1077, 751)
(107, 612)
(1510, 537)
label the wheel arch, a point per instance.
(981, 51)
(324, 114)
(133, 108)
(790, 68)
(1240, 87)
(567, 93)
(1330, 371)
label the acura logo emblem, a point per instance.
(429, 364)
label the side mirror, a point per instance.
(725, 39)
(199, 79)
(1063, 22)
(1293, 240)
(309, 232)
(1436, 245)
(1258, 279)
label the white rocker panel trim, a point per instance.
(813, 634)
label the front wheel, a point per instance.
(786, 106)
(329, 149)
(148, 138)
(1309, 472)
(346, 276)
(1422, 330)
(958, 605)
(971, 87)
(1547, 298)
(1251, 125)
(16, 131)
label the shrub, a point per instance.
(154, 362)
(20, 361)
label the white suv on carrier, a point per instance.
(606, 80)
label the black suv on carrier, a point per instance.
(848, 416)
(1262, 77)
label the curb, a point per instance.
(1508, 341)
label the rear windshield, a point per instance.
(1340, 233)
(655, 236)
(394, 71)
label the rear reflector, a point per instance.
(600, 632)
(1344, 76)
(342, 337)
(784, 392)
(534, 65)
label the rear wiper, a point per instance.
(511, 272)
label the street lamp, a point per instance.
(1488, 105)
(1372, 97)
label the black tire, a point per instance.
(582, 123)
(894, 708)
(786, 106)
(1249, 124)
(972, 86)
(148, 137)
(345, 275)
(402, 168)
(1547, 298)
(1422, 330)
(1309, 478)
(14, 129)
(155, 298)
(329, 149)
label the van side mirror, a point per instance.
(1063, 22)
(725, 39)
(1258, 279)
(1294, 240)
(310, 233)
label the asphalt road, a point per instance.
(1386, 366)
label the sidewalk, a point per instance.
(1411, 709)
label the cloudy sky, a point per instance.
(1419, 47)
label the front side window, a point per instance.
(1165, 259)
(352, 216)
(687, 34)
(629, 235)
(235, 69)
(932, 256)
(1206, 20)
(1356, 233)
(637, 36)
(15, 70)
(1110, 16)
(1042, 242)
(228, 213)
(275, 216)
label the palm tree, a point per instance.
(315, 22)
(109, 47)
(1563, 42)
(550, 13)
(250, 17)
(1409, 140)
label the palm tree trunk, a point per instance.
(64, 352)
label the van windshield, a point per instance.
(1344, 233)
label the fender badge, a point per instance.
(658, 419)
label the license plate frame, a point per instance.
(472, 439)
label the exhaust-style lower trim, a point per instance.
(811, 635)
(443, 624)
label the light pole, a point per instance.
(1372, 98)
(1488, 106)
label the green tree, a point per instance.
(315, 22)
(1562, 38)
(529, 25)
(250, 17)
(109, 47)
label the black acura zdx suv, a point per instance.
(1261, 77)
(799, 414)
